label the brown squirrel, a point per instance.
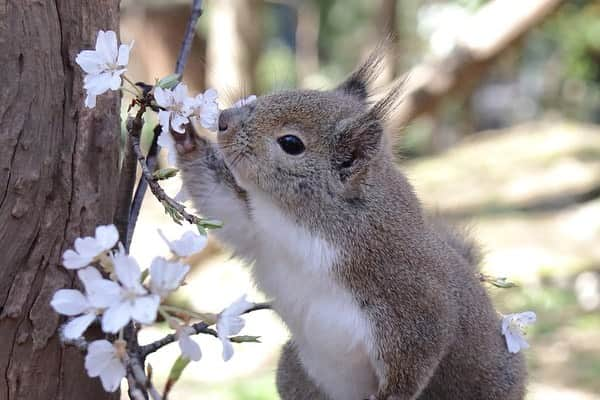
(382, 301)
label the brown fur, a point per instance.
(437, 335)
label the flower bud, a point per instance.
(169, 81)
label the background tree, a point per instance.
(59, 164)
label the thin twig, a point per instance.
(127, 179)
(140, 191)
(186, 46)
(199, 327)
(157, 190)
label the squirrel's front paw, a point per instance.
(186, 142)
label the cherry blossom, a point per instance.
(86, 307)
(105, 360)
(166, 276)
(204, 107)
(174, 116)
(513, 329)
(133, 300)
(103, 66)
(88, 248)
(189, 243)
(230, 322)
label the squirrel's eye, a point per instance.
(291, 144)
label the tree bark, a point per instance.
(59, 164)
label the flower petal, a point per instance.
(73, 260)
(87, 275)
(227, 350)
(76, 327)
(98, 84)
(69, 302)
(166, 141)
(189, 243)
(100, 354)
(107, 236)
(128, 272)
(238, 307)
(102, 293)
(144, 309)
(189, 348)
(178, 121)
(106, 46)
(116, 317)
(112, 376)
(123, 57)
(163, 97)
(165, 276)
(89, 61)
(90, 101)
(180, 93)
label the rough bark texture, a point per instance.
(59, 173)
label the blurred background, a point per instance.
(499, 132)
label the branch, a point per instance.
(184, 53)
(199, 327)
(140, 191)
(168, 202)
(126, 184)
(186, 46)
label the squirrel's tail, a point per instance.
(457, 238)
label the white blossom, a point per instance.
(132, 300)
(99, 294)
(230, 322)
(105, 360)
(88, 248)
(189, 348)
(513, 329)
(245, 101)
(166, 276)
(204, 107)
(103, 66)
(174, 116)
(189, 243)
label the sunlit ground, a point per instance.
(526, 195)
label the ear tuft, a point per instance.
(385, 107)
(358, 83)
(358, 139)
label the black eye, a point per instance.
(291, 144)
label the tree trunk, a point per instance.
(59, 171)
(234, 43)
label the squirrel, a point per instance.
(382, 300)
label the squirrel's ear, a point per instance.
(358, 83)
(357, 140)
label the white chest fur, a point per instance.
(293, 267)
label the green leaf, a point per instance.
(211, 223)
(201, 229)
(245, 339)
(175, 373)
(165, 173)
(169, 81)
